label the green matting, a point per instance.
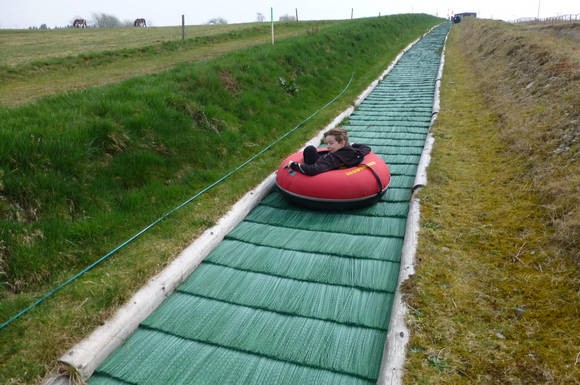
(293, 296)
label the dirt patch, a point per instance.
(229, 82)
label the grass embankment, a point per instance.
(39, 46)
(495, 296)
(83, 171)
(104, 56)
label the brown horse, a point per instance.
(140, 23)
(80, 23)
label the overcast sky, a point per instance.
(27, 13)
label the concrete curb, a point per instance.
(395, 351)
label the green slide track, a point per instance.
(293, 296)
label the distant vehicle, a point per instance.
(459, 16)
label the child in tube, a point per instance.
(338, 153)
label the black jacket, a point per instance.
(348, 156)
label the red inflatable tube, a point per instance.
(344, 188)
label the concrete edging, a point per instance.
(395, 350)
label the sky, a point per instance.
(58, 13)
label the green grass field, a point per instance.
(34, 67)
(25, 46)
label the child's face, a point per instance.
(332, 144)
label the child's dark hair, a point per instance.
(339, 134)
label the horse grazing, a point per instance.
(80, 23)
(140, 23)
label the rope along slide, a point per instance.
(293, 296)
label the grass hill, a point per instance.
(495, 296)
(40, 63)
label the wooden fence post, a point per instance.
(182, 27)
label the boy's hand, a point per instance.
(293, 166)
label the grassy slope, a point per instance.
(495, 296)
(104, 56)
(21, 47)
(83, 171)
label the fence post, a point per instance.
(272, 19)
(182, 27)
